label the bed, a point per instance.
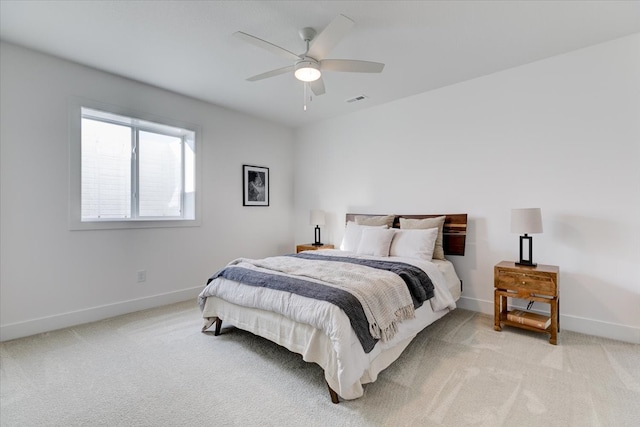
(255, 296)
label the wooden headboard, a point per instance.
(454, 233)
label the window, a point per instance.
(132, 170)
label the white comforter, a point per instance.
(337, 350)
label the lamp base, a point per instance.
(316, 239)
(526, 263)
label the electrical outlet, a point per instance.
(142, 276)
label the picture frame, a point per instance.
(255, 185)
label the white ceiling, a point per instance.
(188, 47)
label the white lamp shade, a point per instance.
(316, 217)
(526, 221)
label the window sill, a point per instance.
(132, 224)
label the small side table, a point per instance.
(311, 247)
(539, 283)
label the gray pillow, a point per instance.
(375, 220)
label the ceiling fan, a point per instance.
(309, 66)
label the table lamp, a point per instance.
(317, 219)
(526, 221)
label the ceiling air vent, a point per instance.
(357, 98)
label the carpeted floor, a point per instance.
(155, 368)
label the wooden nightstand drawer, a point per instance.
(312, 247)
(535, 283)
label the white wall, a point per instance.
(52, 277)
(562, 134)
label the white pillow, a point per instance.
(409, 224)
(352, 235)
(414, 243)
(375, 241)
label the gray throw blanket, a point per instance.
(419, 283)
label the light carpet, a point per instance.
(155, 368)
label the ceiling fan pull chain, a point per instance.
(305, 95)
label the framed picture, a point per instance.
(255, 186)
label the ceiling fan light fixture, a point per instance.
(307, 71)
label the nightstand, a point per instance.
(539, 283)
(311, 247)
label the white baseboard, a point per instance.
(94, 314)
(582, 325)
(45, 324)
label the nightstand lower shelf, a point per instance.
(501, 311)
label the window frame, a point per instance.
(188, 219)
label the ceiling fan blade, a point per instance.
(351, 66)
(266, 45)
(330, 36)
(317, 87)
(272, 73)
